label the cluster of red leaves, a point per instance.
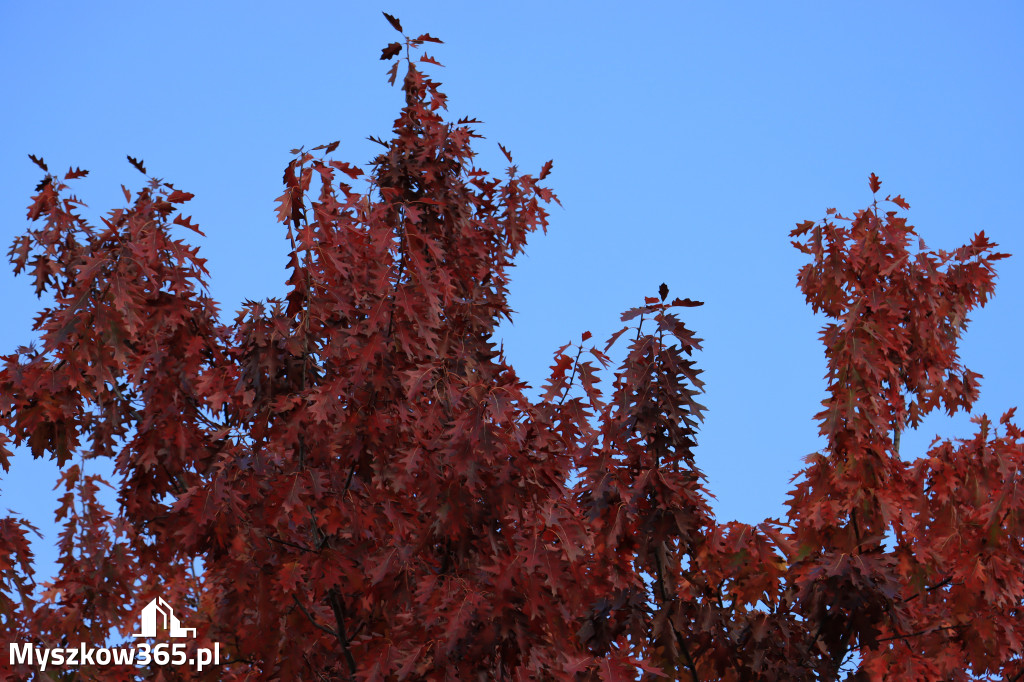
(352, 483)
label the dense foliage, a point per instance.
(353, 483)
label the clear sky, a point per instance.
(687, 140)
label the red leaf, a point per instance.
(328, 148)
(506, 152)
(601, 357)
(615, 337)
(394, 22)
(427, 38)
(874, 183)
(781, 541)
(390, 51)
(137, 163)
(900, 201)
(187, 223)
(633, 313)
(39, 162)
(179, 197)
(75, 173)
(802, 228)
(348, 169)
(545, 170)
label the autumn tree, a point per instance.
(353, 483)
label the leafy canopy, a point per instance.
(352, 482)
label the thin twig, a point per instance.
(572, 377)
(279, 541)
(926, 631)
(312, 620)
(338, 606)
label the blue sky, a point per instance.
(687, 140)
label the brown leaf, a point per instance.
(900, 201)
(179, 197)
(137, 163)
(395, 24)
(39, 162)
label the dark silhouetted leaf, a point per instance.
(394, 22)
(39, 162)
(137, 163)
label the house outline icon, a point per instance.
(170, 621)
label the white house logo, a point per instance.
(157, 619)
(158, 608)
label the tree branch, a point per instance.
(312, 620)
(338, 606)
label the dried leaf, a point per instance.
(395, 24)
(137, 163)
(39, 162)
(901, 202)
